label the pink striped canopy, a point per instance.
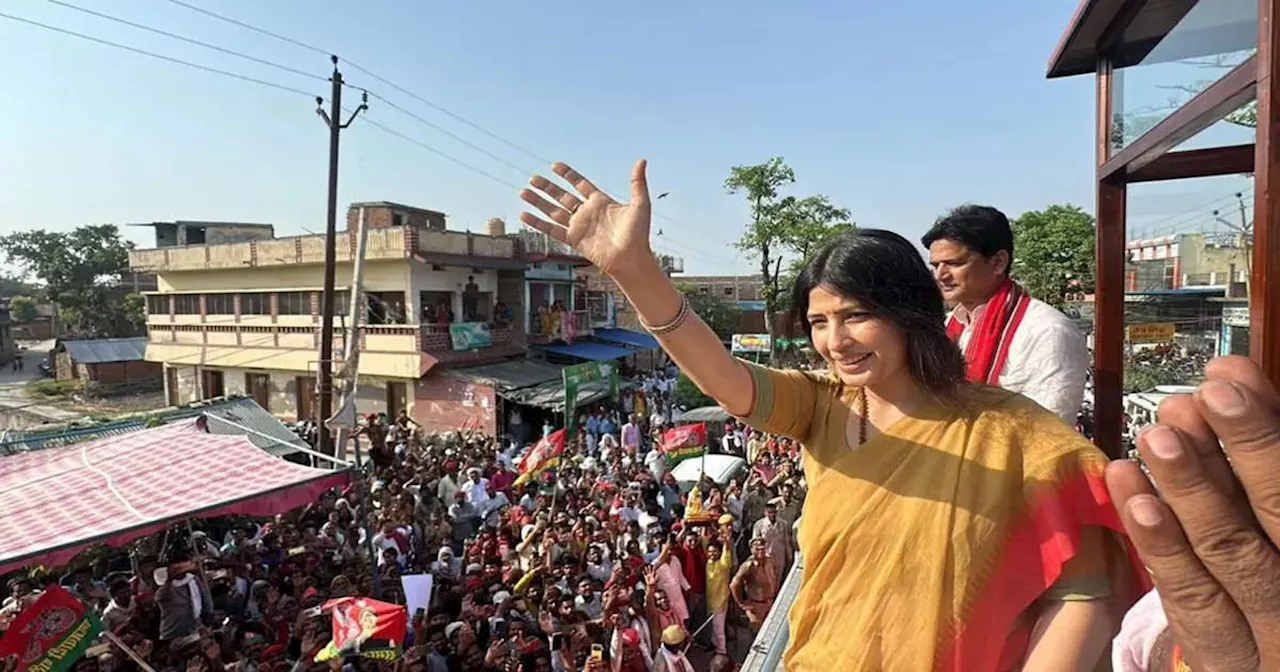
(56, 502)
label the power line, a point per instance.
(256, 29)
(436, 106)
(190, 40)
(451, 134)
(433, 150)
(281, 87)
(152, 54)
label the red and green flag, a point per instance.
(542, 456)
(683, 442)
(50, 635)
(364, 627)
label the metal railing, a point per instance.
(771, 642)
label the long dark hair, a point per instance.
(882, 271)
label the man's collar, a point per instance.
(965, 316)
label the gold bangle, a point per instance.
(675, 323)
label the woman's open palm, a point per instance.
(614, 236)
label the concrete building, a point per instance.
(1187, 260)
(244, 317)
(743, 291)
(179, 233)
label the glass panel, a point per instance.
(1186, 298)
(1189, 247)
(1172, 50)
(1237, 128)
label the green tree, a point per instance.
(79, 270)
(135, 312)
(722, 316)
(1053, 252)
(686, 393)
(23, 309)
(780, 227)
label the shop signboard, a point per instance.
(751, 343)
(1151, 332)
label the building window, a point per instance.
(704, 290)
(255, 304)
(399, 219)
(157, 305)
(728, 291)
(186, 304)
(294, 303)
(220, 304)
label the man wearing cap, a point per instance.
(671, 656)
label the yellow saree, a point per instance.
(928, 547)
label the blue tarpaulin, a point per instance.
(595, 352)
(635, 339)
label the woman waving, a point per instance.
(949, 526)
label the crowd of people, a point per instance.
(602, 562)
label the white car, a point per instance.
(721, 469)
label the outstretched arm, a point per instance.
(615, 237)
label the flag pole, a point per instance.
(127, 651)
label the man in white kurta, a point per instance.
(971, 251)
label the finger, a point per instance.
(1202, 615)
(550, 228)
(1181, 412)
(1224, 537)
(640, 183)
(553, 211)
(564, 198)
(1250, 428)
(582, 184)
(1243, 371)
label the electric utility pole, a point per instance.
(324, 379)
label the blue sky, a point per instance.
(896, 111)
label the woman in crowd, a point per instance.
(930, 496)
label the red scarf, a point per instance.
(988, 347)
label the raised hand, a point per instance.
(1209, 536)
(614, 236)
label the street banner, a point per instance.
(470, 335)
(750, 343)
(364, 627)
(544, 455)
(575, 376)
(683, 442)
(50, 635)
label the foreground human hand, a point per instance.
(1209, 536)
(614, 236)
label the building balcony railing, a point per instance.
(537, 244)
(559, 326)
(384, 338)
(460, 335)
(434, 246)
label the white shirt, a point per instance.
(1048, 359)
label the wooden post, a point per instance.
(1264, 287)
(1109, 287)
